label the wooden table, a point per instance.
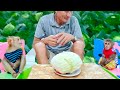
(88, 71)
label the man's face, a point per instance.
(63, 16)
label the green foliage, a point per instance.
(98, 24)
(88, 59)
(8, 30)
(20, 23)
(2, 38)
(94, 24)
(38, 15)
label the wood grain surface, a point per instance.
(88, 71)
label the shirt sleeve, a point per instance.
(76, 28)
(40, 33)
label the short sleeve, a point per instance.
(39, 33)
(76, 28)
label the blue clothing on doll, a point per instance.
(14, 56)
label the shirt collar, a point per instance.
(54, 23)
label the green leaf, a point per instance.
(9, 29)
(113, 20)
(21, 27)
(84, 28)
(110, 73)
(2, 38)
(86, 38)
(89, 46)
(38, 15)
(99, 27)
(77, 15)
(89, 53)
(107, 36)
(115, 36)
(24, 74)
(101, 34)
(2, 22)
(88, 59)
(25, 15)
(110, 27)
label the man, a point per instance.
(55, 33)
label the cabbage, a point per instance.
(66, 62)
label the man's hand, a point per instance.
(50, 40)
(63, 38)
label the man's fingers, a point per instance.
(53, 40)
(58, 35)
(63, 41)
(53, 44)
(60, 39)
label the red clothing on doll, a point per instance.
(108, 53)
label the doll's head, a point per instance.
(14, 41)
(108, 44)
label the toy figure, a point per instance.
(14, 60)
(109, 55)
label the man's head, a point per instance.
(62, 16)
(108, 44)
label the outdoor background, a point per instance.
(94, 24)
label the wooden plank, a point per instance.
(88, 71)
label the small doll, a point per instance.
(109, 55)
(14, 60)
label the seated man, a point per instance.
(55, 33)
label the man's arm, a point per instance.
(36, 40)
(80, 39)
(76, 39)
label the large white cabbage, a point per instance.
(66, 62)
